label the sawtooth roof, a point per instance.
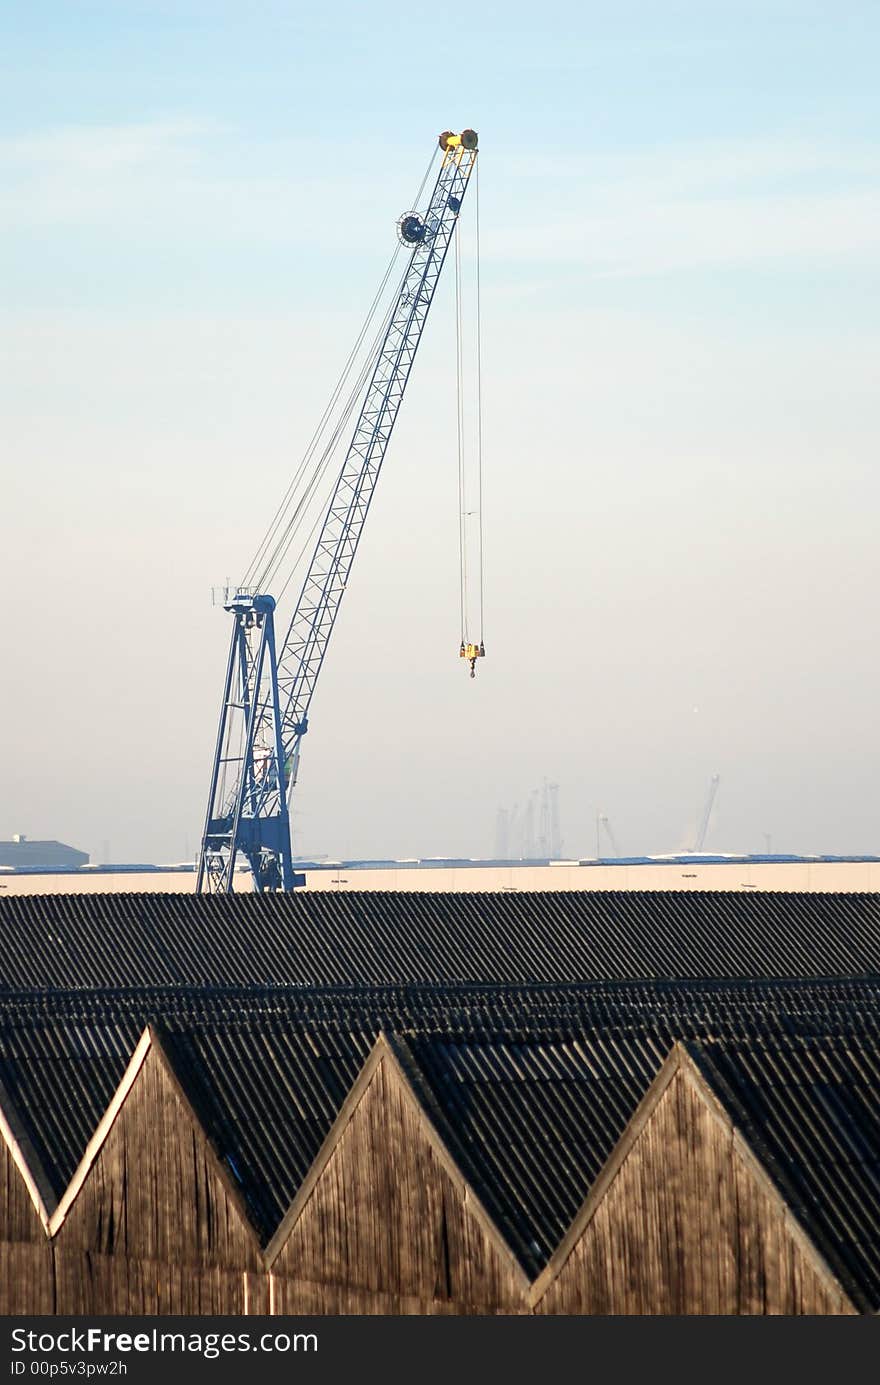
(531, 1025)
(535, 1115)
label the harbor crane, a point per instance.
(270, 683)
(602, 821)
(707, 813)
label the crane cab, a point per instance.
(472, 652)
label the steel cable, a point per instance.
(286, 521)
(477, 478)
(345, 417)
(479, 393)
(271, 558)
(459, 421)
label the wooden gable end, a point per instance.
(386, 1223)
(684, 1220)
(152, 1222)
(26, 1270)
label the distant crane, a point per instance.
(707, 813)
(602, 821)
(533, 833)
(555, 824)
(550, 839)
(529, 850)
(268, 689)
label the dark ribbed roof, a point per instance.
(321, 938)
(531, 1023)
(534, 1120)
(61, 1078)
(534, 1116)
(267, 1098)
(810, 1109)
(62, 1054)
(536, 1108)
(827, 1006)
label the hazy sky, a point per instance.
(681, 262)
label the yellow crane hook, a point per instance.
(472, 652)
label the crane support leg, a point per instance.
(253, 818)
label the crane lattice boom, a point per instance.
(268, 691)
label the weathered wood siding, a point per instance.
(153, 1228)
(688, 1226)
(386, 1229)
(120, 1284)
(26, 1271)
(311, 1299)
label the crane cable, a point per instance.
(296, 521)
(320, 517)
(479, 394)
(459, 427)
(272, 549)
(477, 480)
(289, 517)
(366, 370)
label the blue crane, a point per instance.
(269, 685)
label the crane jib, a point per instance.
(268, 688)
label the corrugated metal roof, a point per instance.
(809, 1106)
(535, 1116)
(691, 1007)
(267, 1098)
(371, 938)
(535, 1022)
(536, 1108)
(61, 1077)
(534, 1120)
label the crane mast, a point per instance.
(707, 813)
(269, 687)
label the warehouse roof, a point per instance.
(533, 1118)
(377, 939)
(533, 1121)
(531, 1024)
(809, 1107)
(62, 1052)
(689, 1007)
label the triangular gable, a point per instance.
(753, 1149)
(680, 1063)
(23, 1155)
(151, 1052)
(102, 1130)
(391, 1059)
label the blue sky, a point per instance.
(680, 218)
